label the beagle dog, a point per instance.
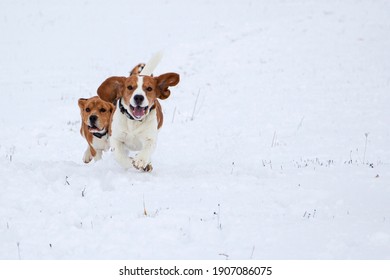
(96, 117)
(138, 115)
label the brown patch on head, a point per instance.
(153, 88)
(130, 85)
(111, 89)
(96, 114)
(150, 88)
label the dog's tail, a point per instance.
(152, 64)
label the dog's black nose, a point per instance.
(138, 99)
(93, 118)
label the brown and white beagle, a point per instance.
(96, 117)
(138, 115)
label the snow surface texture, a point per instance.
(275, 143)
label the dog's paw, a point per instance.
(148, 168)
(140, 164)
(87, 157)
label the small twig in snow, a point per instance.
(225, 255)
(365, 147)
(253, 250)
(18, 245)
(300, 123)
(219, 225)
(196, 102)
(231, 172)
(219, 214)
(173, 117)
(273, 140)
(66, 181)
(145, 213)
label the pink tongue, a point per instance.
(138, 112)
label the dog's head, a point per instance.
(109, 89)
(138, 93)
(96, 114)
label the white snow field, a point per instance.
(275, 145)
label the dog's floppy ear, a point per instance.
(111, 89)
(165, 81)
(112, 110)
(82, 103)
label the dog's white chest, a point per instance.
(134, 133)
(101, 143)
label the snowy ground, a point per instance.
(276, 143)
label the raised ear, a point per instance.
(111, 89)
(82, 103)
(165, 81)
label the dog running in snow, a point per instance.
(96, 118)
(138, 115)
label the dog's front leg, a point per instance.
(89, 154)
(142, 159)
(120, 153)
(98, 155)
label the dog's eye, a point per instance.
(130, 88)
(102, 110)
(149, 89)
(87, 110)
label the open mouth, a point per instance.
(94, 129)
(138, 112)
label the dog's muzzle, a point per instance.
(138, 112)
